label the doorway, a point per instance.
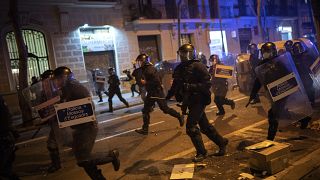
(150, 46)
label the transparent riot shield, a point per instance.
(244, 74)
(42, 97)
(308, 67)
(284, 89)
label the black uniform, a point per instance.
(114, 89)
(154, 94)
(196, 80)
(220, 89)
(84, 135)
(137, 74)
(7, 143)
(273, 112)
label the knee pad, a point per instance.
(193, 131)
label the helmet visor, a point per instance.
(186, 55)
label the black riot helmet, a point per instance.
(187, 52)
(47, 74)
(142, 60)
(252, 49)
(298, 48)
(62, 71)
(288, 45)
(214, 59)
(269, 50)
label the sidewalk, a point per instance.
(103, 107)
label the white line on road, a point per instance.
(109, 120)
(186, 152)
(119, 134)
(236, 100)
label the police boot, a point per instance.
(100, 99)
(94, 173)
(181, 120)
(115, 159)
(222, 148)
(231, 103)
(304, 122)
(55, 162)
(110, 107)
(142, 131)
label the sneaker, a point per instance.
(199, 158)
(233, 105)
(181, 120)
(222, 148)
(219, 113)
(141, 131)
(115, 161)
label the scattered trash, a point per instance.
(260, 146)
(182, 171)
(243, 144)
(185, 171)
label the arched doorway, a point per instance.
(38, 60)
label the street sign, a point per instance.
(75, 112)
(100, 79)
(283, 87)
(223, 71)
(46, 109)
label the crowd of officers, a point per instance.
(193, 83)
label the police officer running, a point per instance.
(196, 85)
(114, 89)
(137, 74)
(152, 81)
(219, 87)
(52, 145)
(268, 51)
(84, 135)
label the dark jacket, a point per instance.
(153, 80)
(177, 84)
(197, 82)
(219, 85)
(114, 82)
(138, 74)
(5, 126)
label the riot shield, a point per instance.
(284, 89)
(244, 74)
(308, 66)
(42, 97)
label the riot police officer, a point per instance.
(297, 50)
(7, 143)
(99, 85)
(84, 135)
(254, 61)
(114, 89)
(137, 74)
(152, 81)
(219, 87)
(196, 85)
(268, 51)
(52, 144)
(288, 46)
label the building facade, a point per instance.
(89, 34)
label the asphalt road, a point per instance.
(138, 153)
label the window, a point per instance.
(186, 38)
(216, 42)
(36, 45)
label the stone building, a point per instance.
(88, 34)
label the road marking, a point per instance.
(113, 119)
(31, 140)
(236, 100)
(189, 151)
(119, 134)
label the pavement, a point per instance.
(153, 156)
